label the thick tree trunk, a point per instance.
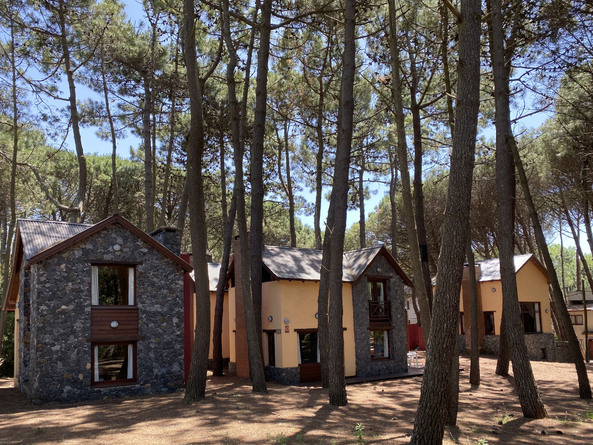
(257, 187)
(560, 310)
(333, 243)
(402, 152)
(441, 349)
(196, 382)
(527, 391)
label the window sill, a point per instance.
(114, 383)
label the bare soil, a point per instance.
(232, 414)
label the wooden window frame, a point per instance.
(95, 282)
(132, 351)
(537, 308)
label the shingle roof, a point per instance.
(490, 269)
(290, 263)
(38, 235)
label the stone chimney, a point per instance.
(170, 237)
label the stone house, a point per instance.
(534, 301)
(99, 310)
(373, 317)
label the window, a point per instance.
(112, 285)
(271, 348)
(114, 363)
(461, 323)
(379, 344)
(576, 319)
(379, 308)
(530, 317)
(489, 323)
(308, 351)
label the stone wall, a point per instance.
(56, 365)
(539, 346)
(285, 376)
(365, 367)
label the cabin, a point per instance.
(374, 319)
(582, 320)
(534, 300)
(99, 310)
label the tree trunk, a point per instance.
(257, 187)
(560, 309)
(474, 373)
(79, 200)
(217, 359)
(333, 243)
(196, 382)
(402, 152)
(146, 133)
(361, 220)
(527, 392)
(441, 349)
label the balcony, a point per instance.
(379, 311)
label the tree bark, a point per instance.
(196, 382)
(333, 243)
(474, 373)
(527, 391)
(402, 152)
(441, 349)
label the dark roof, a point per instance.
(37, 240)
(291, 263)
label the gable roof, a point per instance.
(490, 269)
(37, 240)
(291, 263)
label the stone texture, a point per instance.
(539, 346)
(56, 364)
(285, 376)
(365, 367)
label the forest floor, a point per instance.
(232, 414)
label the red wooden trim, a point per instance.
(188, 294)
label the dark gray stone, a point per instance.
(365, 366)
(285, 376)
(55, 295)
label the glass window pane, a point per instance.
(379, 344)
(114, 285)
(308, 347)
(113, 362)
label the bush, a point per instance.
(7, 358)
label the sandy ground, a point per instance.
(231, 414)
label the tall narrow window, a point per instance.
(379, 308)
(271, 348)
(461, 323)
(308, 352)
(379, 344)
(489, 323)
(531, 318)
(112, 285)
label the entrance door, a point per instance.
(309, 366)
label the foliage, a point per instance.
(7, 358)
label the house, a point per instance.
(373, 314)
(577, 317)
(534, 301)
(213, 272)
(99, 310)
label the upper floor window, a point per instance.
(576, 319)
(112, 285)
(531, 318)
(379, 308)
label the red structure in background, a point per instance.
(415, 338)
(188, 332)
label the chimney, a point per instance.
(170, 237)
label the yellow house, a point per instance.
(534, 301)
(575, 309)
(373, 317)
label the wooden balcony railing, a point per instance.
(379, 311)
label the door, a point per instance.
(309, 366)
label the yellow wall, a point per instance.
(532, 286)
(579, 329)
(296, 301)
(225, 324)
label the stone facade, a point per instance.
(55, 320)
(397, 361)
(539, 346)
(285, 376)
